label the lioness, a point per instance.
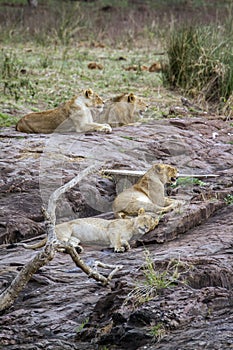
(115, 232)
(75, 110)
(147, 193)
(122, 110)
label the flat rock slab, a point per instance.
(60, 307)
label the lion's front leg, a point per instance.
(97, 127)
(76, 244)
(116, 243)
(168, 201)
(166, 209)
(171, 204)
(125, 244)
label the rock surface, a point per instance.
(61, 308)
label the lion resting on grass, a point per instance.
(75, 111)
(122, 110)
(147, 193)
(116, 232)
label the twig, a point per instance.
(42, 258)
(8, 296)
(115, 268)
(57, 193)
(90, 272)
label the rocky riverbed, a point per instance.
(61, 308)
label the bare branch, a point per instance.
(57, 193)
(42, 258)
(8, 296)
(93, 273)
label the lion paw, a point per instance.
(119, 250)
(106, 128)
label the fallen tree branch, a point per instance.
(9, 295)
(42, 258)
(58, 192)
(92, 273)
(115, 268)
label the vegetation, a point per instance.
(229, 199)
(154, 281)
(200, 61)
(7, 120)
(189, 181)
(41, 66)
(82, 325)
(158, 331)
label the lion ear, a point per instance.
(141, 211)
(131, 98)
(158, 167)
(88, 93)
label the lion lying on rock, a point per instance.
(116, 232)
(147, 193)
(122, 110)
(77, 111)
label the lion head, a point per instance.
(146, 222)
(166, 173)
(138, 102)
(91, 99)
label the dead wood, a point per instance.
(42, 258)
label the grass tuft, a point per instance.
(155, 281)
(200, 62)
(229, 199)
(7, 120)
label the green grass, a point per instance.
(189, 181)
(82, 325)
(229, 199)
(31, 79)
(43, 66)
(200, 62)
(155, 280)
(7, 120)
(158, 331)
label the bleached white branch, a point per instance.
(42, 258)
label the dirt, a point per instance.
(61, 308)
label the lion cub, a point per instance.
(116, 232)
(75, 112)
(122, 110)
(147, 193)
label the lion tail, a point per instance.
(34, 246)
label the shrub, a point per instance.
(200, 62)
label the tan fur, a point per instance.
(155, 67)
(122, 110)
(136, 68)
(74, 114)
(147, 193)
(94, 65)
(116, 233)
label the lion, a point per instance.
(75, 112)
(121, 110)
(97, 231)
(147, 193)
